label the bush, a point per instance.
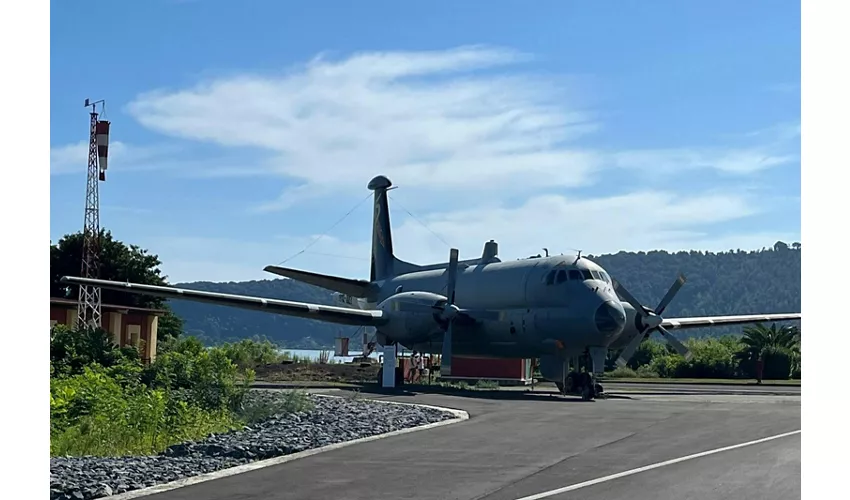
(251, 354)
(668, 366)
(777, 363)
(712, 358)
(257, 409)
(93, 414)
(71, 350)
(622, 372)
(646, 371)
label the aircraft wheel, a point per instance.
(587, 393)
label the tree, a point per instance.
(118, 262)
(777, 347)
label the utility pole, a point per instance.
(88, 306)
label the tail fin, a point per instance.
(382, 238)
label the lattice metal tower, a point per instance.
(88, 307)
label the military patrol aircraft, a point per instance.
(563, 310)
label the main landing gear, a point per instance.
(580, 379)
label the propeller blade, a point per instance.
(629, 351)
(446, 356)
(452, 275)
(680, 281)
(677, 345)
(619, 288)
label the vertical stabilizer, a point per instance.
(382, 238)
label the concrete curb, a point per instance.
(460, 416)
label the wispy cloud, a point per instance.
(423, 118)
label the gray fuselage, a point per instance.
(537, 306)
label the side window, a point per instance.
(550, 278)
(562, 276)
(575, 275)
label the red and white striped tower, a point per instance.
(88, 305)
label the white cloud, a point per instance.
(734, 161)
(439, 120)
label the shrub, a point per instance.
(712, 358)
(622, 372)
(668, 366)
(646, 371)
(93, 414)
(257, 409)
(251, 354)
(71, 350)
(777, 363)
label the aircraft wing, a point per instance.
(709, 321)
(331, 314)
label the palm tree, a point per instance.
(760, 342)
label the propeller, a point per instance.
(650, 320)
(449, 313)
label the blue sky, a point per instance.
(243, 130)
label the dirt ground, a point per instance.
(319, 372)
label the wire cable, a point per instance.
(327, 231)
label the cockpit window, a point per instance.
(586, 274)
(605, 277)
(562, 276)
(575, 274)
(550, 278)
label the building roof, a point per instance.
(110, 307)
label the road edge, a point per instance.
(459, 416)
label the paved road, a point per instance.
(521, 444)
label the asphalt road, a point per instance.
(519, 444)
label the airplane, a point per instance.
(567, 311)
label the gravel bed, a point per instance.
(332, 420)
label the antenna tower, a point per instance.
(88, 306)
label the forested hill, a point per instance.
(736, 282)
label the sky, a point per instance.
(244, 133)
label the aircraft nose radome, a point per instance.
(610, 317)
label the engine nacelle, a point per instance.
(412, 316)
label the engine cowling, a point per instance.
(412, 316)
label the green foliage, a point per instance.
(72, 350)
(255, 410)
(104, 402)
(723, 357)
(252, 354)
(118, 262)
(93, 414)
(203, 377)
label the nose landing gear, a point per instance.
(580, 379)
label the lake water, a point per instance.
(314, 354)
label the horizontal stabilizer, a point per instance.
(350, 287)
(330, 314)
(706, 321)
